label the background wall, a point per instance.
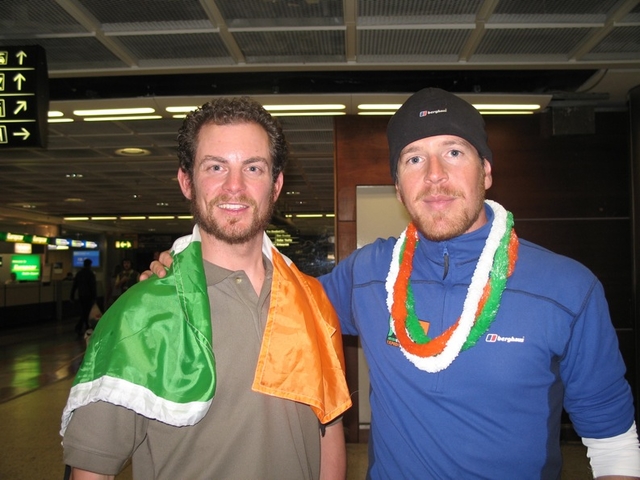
(570, 193)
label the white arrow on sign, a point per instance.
(19, 78)
(25, 134)
(22, 105)
(21, 56)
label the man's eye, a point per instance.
(413, 160)
(455, 153)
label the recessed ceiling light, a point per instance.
(74, 175)
(133, 152)
(162, 204)
(74, 200)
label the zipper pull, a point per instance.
(446, 263)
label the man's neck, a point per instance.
(244, 256)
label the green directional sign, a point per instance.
(24, 97)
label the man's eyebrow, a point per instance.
(214, 158)
(458, 141)
(409, 149)
(255, 160)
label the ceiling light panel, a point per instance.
(547, 42)
(292, 46)
(394, 12)
(292, 13)
(140, 16)
(186, 49)
(411, 45)
(622, 43)
(39, 18)
(571, 11)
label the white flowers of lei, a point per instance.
(442, 360)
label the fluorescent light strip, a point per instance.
(116, 119)
(290, 108)
(136, 217)
(180, 109)
(306, 114)
(389, 109)
(379, 106)
(376, 113)
(60, 120)
(113, 111)
(506, 112)
(506, 106)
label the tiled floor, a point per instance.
(36, 366)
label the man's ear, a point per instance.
(277, 186)
(398, 194)
(185, 183)
(488, 178)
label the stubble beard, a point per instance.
(228, 230)
(441, 226)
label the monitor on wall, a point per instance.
(26, 267)
(80, 255)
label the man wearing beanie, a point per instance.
(475, 339)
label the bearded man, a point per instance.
(231, 366)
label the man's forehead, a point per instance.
(437, 140)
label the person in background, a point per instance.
(475, 339)
(13, 278)
(85, 284)
(126, 278)
(232, 365)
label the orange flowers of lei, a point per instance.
(495, 265)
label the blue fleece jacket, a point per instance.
(494, 413)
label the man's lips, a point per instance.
(438, 201)
(233, 207)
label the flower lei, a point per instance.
(489, 279)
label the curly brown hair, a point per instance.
(229, 111)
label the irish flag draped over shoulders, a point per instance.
(152, 351)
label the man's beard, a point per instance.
(230, 232)
(441, 226)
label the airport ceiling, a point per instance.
(108, 53)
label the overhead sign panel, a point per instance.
(24, 97)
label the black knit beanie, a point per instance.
(432, 112)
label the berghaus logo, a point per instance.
(493, 338)
(424, 113)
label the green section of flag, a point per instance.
(158, 335)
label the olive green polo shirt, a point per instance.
(244, 434)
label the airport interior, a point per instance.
(93, 93)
